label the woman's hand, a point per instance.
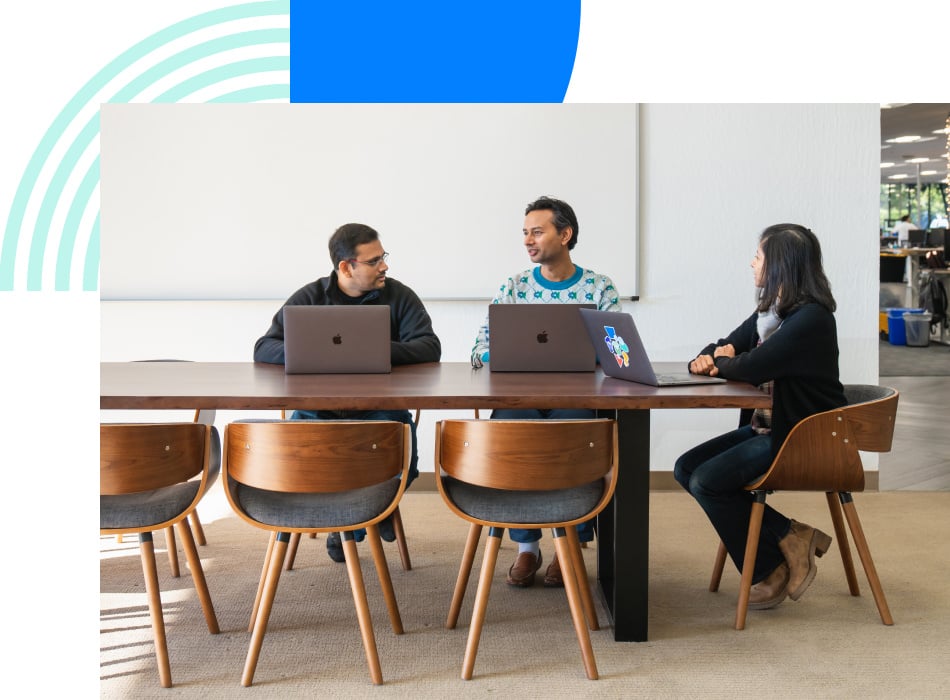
(704, 365)
(725, 351)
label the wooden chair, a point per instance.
(397, 528)
(526, 474)
(317, 476)
(821, 454)
(148, 480)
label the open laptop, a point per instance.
(336, 340)
(539, 338)
(622, 355)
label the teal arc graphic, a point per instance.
(343, 51)
(14, 230)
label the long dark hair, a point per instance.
(793, 270)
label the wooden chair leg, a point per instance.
(841, 535)
(271, 574)
(197, 529)
(401, 540)
(490, 558)
(748, 560)
(580, 569)
(292, 551)
(861, 544)
(362, 606)
(147, 551)
(465, 570)
(198, 574)
(172, 551)
(563, 548)
(260, 585)
(718, 566)
(385, 580)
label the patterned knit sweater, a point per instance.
(530, 287)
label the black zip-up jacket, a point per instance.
(410, 328)
(800, 357)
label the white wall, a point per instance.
(711, 178)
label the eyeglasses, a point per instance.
(375, 262)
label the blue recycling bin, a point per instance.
(896, 330)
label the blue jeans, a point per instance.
(398, 415)
(585, 531)
(715, 474)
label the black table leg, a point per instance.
(623, 531)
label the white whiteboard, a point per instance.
(226, 201)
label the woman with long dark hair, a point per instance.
(789, 346)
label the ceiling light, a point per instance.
(917, 160)
(898, 176)
(904, 139)
(928, 172)
(942, 131)
(887, 165)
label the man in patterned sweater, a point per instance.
(550, 234)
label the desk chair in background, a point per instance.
(527, 474)
(148, 480)
(317, 476)
(821, 454)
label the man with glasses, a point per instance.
(550, 234)
(359, 277)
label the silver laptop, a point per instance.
(539, 338)
(336, 340)
(621, 353)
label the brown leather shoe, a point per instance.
(552, 577)
(800, 547)
(770, 591)
(522, 572)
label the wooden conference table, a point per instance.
(622, 529)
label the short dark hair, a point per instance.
(794, 274)
(563, 216)
(905, 217)
(344, 240)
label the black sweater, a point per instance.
(801, 357)
(410, 328)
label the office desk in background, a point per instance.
(909, 260)
(622, 529)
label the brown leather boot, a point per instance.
(800, 546)
(770, 591)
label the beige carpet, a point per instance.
(826, 645)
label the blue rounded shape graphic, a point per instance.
(435, 51)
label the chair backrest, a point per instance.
(821, 451)
(872, 412)
(315, 456)
(527, 454)
(136, 457)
